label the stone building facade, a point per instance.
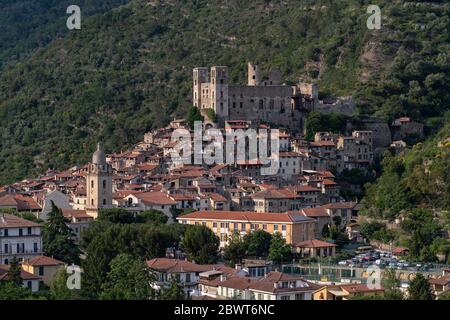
(259, 101)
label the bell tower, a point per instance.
(98, 184)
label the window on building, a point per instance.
(104, 184)
(41, 270)
(6, 232)
(275, 227)
(29, 284)
(35, 247)
(20, 232)
(29, 230)
(214, 224)
(243, 226)
(92, 183)
(188, 277)
(283, 227)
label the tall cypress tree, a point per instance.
(58, 239)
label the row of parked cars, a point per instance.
(383, 259)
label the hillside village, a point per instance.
(301, 202)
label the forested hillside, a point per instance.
(26, 25)
(129, 70)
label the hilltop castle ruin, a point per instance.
(259, 101)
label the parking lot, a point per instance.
(385, 260)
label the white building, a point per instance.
(19, 237)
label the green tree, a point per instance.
(128, 279)
(59, 289)
(116, 215)
(200, 244)
(152, 216)
(174, 291)
(235, 250)
(279, 251)
(58, 239)
(391, 284)
(419, 288)
(10, 291)
(258, 243)
(193, 115)
(14, 272)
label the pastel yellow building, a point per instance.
(42, 266)
(293, 227)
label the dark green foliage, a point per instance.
(420, 288)
(129, 70)
(200, 244)
(152, 216)
(14, 272)
(128, 279)
(316, 122)
(235, 250)
(376, 231)
(258, 243)
(193, 115)
(103, 241)
(11, 291)
(173, 292)
(117, 215)
(279, 251)
(58, 287)
(58, 241)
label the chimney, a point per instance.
(223, 277)
(238, 266)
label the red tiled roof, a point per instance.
(314, 212)
(42, 261)
(21, 202)
(247, 216)
(315, 243)
(176, 266)
(23, 274)
(11, 221)
(156, 197)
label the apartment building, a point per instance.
(293, 227)
(19, 237)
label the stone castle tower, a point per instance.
(254, 76)
(98, 184)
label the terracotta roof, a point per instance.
(21, 202)
(216, 197)
(78, 214)
(303, 188)
(156, 197)
(275, 194)
(176, 266)
(314, 212)
(358, 288)
(315, 243)
(268, 283)
(23, 274)
(42, 261)
(245, 216)
(340, 205)
(442, 281)
(11, 221)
